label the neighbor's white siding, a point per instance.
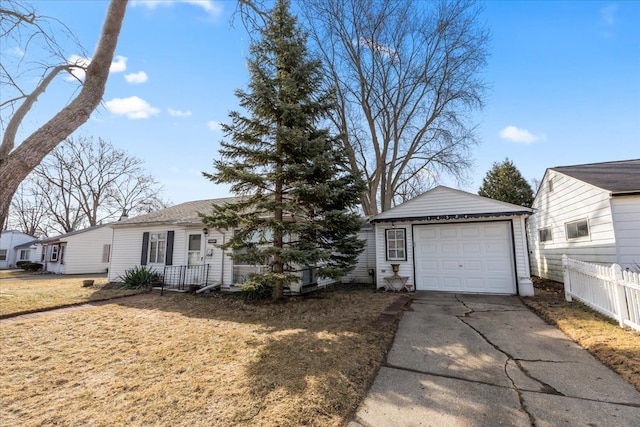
(83, 252)
(626, 217)
(570, 200)
(8, 241)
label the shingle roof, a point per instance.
(184, 213)
(71, 233)
(618, 177)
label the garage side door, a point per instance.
(472, 257)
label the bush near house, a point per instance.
(29, 266)
(140, 277)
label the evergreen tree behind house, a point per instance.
(297, 207)
(504, 182)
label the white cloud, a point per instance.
(213, 8)
(132, 107)
(16, 51)
(515, 134)
(118, 66)
(608, 15)
(214, 126)
(178, 113)
(136, 78)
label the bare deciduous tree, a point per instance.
(27, 211)
(407, 78)
(84, 183)
(19, 158)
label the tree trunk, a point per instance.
(278, 266)
(15, 167)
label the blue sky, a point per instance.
(564, 77)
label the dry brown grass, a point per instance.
(616, 347)
(183, 360)
(42, 292)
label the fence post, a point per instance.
(621, 298)
(567, 278)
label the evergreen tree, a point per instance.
(296, 206)
(505, 182)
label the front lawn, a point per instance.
(616, 347)
(42, 292)
(183, 360)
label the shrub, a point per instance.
(29, 266)
(140, 277)
(258, 287)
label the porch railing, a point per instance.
(180, 277)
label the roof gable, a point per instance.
(617, 177)
(446, 202)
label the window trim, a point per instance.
(386, 244)
(157, 242)
(53, 255)
(544, 229)
(577, 221)
(5, 254)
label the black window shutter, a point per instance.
(169, 259)
(145, 248)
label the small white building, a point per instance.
(454, 241)
(589, 212)
(78, 252)
(12, 248)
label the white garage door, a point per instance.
(472, 257)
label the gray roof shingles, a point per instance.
(184, 213)
(617, 177)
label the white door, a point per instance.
(194, 274)
(472, 257)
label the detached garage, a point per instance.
(453, 241)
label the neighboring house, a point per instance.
(11, 249)
(453, 241)
(77, 252)
(589, 212)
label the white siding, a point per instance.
(126, 251)
(366, 260)
(448, 201)
(570, 200)
(626, 217)
(8, 240)
(83, 252)
(383, 269)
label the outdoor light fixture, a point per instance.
(205, 231)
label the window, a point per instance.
(54, 253)
(106, 251)
(157, 247)
(195, 243)
(544, 234)
(550, 186)
(24, 254)
(396, 244)
(577, 229)
(3, 254)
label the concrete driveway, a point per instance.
(480, 360)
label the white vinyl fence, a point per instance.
(609, 290)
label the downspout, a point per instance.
(224, 240)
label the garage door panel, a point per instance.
(471, 257)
